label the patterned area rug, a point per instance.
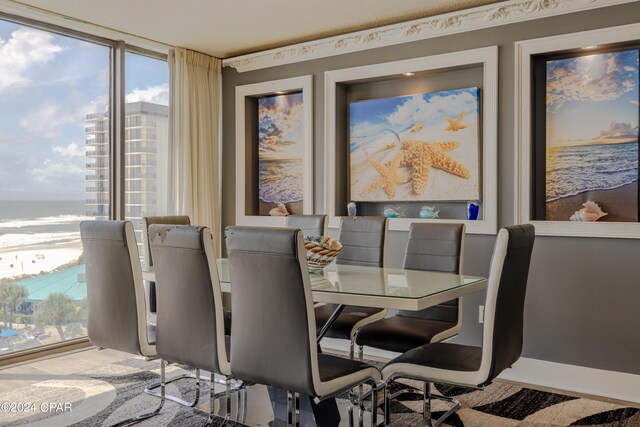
(113, 393)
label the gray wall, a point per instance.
(583, 296)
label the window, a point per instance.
(56, 164)
(54, 172)
(146, 138)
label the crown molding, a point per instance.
(492, 15)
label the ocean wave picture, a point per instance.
(592, 136)
(416, 148)
(280, 153)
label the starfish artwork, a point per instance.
(389, 176)
(455, 124)
(421, 156)
(423, 147)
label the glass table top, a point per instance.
(377, 282)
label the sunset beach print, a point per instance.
(592, 135)
(280, 153)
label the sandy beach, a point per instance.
(294, 208)
(36, 259)
(619, 203)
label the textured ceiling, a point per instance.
(233, 27)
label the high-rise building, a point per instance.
(146, 162)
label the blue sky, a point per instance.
(593, 99)
(281, 127)
(48, 83)
(371, 116)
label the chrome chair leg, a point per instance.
(426, 405)
(150, 390)
(153, 413)
(374, 404)
(350, 412)
(244, 396)
(387, 404)
(228, 398)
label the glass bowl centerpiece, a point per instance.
(321, 250)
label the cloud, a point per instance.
(619, 130)
(592, 78)
(56, 172)
(421, 108)
(72, 150)
(47, 119)
(154, 94)
(25, 48)
(280, 120)
(635, 102)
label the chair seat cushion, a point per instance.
(338, 374)
(400, 334)
(345, 323)
(449, 363)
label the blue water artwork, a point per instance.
(416, 147)
(592, 135)
(281, 152)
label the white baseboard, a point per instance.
(578, 379)
(557, 376)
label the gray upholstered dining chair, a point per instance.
(310, 225)
(190, 320)
(116, 303)
(363, 242)
(468, 366)
(433, 247)
(148, 257)
(273, 330)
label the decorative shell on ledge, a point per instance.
(280, 210)
(591, 212)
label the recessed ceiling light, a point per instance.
(409, 74)
(590, 47)
(280, 92)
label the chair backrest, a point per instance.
(504, 307)
(150, 220)
(311, 225)
(190, 322)
(116, 307)
(436, 247)
(273, 325)
(364, 241)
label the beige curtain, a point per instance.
(196, 94)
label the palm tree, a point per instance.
(17, 295)
(57, 310)
(4, 299)
(11, 296)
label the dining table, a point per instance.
(343, 285)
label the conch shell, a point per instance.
(590, 212)
(280, 210)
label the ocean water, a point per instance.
(26, 223)
(578, 169)
(281, 181)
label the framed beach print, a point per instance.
(281, 153)
(423, 147)
(274, 151)
(578, 100)
(587, 139)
